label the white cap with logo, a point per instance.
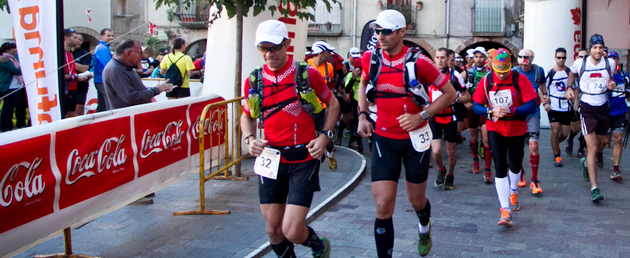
(272, 31)
(354, 52)
(389, 19)
(321, 46)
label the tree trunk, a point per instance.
(237, 77)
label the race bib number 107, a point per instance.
(267, 163)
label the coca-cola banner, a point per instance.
(65, 173)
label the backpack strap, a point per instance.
(550, 76)
(256, 83)
(515, 77)
(537, 76)
(375, 66)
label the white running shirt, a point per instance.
(557, 90)
(594, 80)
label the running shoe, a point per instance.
(616, 175)
(324, 253)
(448, 183)
(596, 195)
(535, 186)
(514, 202)
(440, 177)
(475, 168)
(353, 145)
(569, 149)
(424, 242)
(332, 163)
(522, 182)
(346, 133)
(487, 178)
(506, 218)
(584, 170)
(581, 154)
(360, 149)
(600, 161)
(558, 162)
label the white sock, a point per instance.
(593, 188)
(329, 154)
(503, 191)
(514, 178)
(423, 229)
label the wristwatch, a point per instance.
(329, 134)
(425, 115)
(247, 138)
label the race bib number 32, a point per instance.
(421, 138)
(267, 163)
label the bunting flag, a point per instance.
(151, 27)
(87, 12)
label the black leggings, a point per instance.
(506, 152)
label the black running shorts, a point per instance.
(295, 181)
(387, 155)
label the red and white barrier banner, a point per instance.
(36, 39)
(74, 170)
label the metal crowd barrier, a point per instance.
(232, 154)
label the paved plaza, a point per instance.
(562, 222)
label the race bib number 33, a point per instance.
(421, 138)
(267, 163)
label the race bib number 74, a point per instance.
(267, 163)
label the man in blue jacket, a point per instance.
(618, 110)
(102, 56)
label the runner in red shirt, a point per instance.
(507, 110)
(290, 133)
(446, 120)
(398, 119)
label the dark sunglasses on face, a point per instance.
(385, 32)
(525, 57)
(273, 49)
(583, 56)
(561, 57)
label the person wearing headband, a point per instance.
(510, 98)
(536, 76)
(595, 80)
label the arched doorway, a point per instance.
(196, 48)
(426, 50)
(90, 37)
(489, 45)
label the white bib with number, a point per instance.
(421, 138)
(267, 163)
(502, 98)
(596, 85)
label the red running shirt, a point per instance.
(70, 69)
(291, 125)
(507, 128)
(391, 80)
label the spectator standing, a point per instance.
(10, 80)
(185, 65)
(102, 56)
(81, 56)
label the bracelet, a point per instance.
(363, 112)
(73, 77)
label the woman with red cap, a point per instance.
(510, 98)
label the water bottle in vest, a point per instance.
(253, 102)
(309, 99)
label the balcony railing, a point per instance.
(488, 18)
(194, 16)
(326, 23)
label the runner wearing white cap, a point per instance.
(402, 133)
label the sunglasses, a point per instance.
(273, 49)
(385, 32)
(583, 56)
(561, 57)
(525, 57)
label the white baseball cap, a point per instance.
(470, 53)
(354, 52)
(321, 46)
(480, 50)
(272, 31)
(389, 19)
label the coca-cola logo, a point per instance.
(106, 157)
(217, 124)
(155, 143)
(15, 189)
